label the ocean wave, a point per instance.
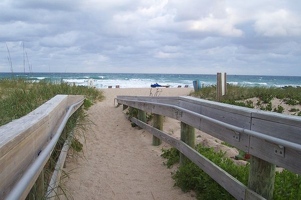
(74, 80)
(288, 85)
(103, 80)
(233, 83)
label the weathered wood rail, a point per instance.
(26, 144)
(271, 138)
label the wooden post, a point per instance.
(158, 124)
(187, 136)
(124, 107)
(38, 190)
(221, 86)
(262, 177)
(141, 115)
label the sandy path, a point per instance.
(120, 162)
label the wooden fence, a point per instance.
(271, 138)
(25, 140)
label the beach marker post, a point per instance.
(158, 124)
(188, 137)
(221, 86)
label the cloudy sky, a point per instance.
(260, 37)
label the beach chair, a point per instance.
(155, 93)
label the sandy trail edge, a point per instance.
(120, 161)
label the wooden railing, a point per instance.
(271, 138)
(26, 145)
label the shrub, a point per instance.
(172, 155)
(294, 110)
(287, 186)
(191, 177)
(279, 109)
(292, 102)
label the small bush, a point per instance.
(269, 107)
(172, 155)
(87, 103)
(287, 186)
(294, 110)
(279, 109)
(191, 177)
(292, 102)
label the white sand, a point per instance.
(119, 160)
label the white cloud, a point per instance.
(60, 40)
(166, 55)
(278, 23)
(170, 35)
(213, 26)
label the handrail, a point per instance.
(34, 170)
(271, 139)
(229, 126)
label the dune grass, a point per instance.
(291, 95)
(18, 97)
(238, 95)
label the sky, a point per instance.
(258, 37)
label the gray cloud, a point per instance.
(169, 36)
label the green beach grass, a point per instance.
(18, 97)
(240, 96)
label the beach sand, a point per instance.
(119, 161)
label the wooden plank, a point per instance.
(161, 99)
(289, 120)
(232, 118)
(217, 105)
(234, 187)
(287, 130)
(23, 145)
(23, 139)
(235, 115)
(196, 107)
(14, 132)
(217, 131)
(266, 151)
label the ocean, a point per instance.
(136, 80)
